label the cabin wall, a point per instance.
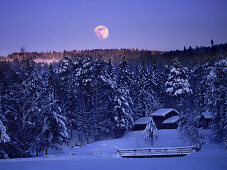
(170, 126)
(158, 121)
(139, 127)
(204, 123)
(170, 114)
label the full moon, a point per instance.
(101, 32)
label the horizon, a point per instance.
(107, 49)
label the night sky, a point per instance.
(47, 25)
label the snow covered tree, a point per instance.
(103, 86)
(3, 134)
(124, 84)
(135, 89)
(188, 131)
(124, 78)
(216, 98)
(199, 86)
(23, 112)
(163, 77)
(151, 131)
(54, 131)
(83, 73)
(67, 98)
(110, 70)
(177, 83)
(64, 84)
(145, 96)
(4, 138)
(154, 83)
(51, 82)
(122, 114)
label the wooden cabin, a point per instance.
(170, 123)
(141, 123)
(166, 118)
(205, 119)
(163, 114)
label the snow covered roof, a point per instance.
(207, 115)
(172, 119)
(143, 120)
(163, 112)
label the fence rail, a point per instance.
(155, 152)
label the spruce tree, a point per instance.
(124, 83)
(177, 84)
(24, 113)
(151, 131)
(216, 98)
(54, 130)
(146, 100)
(122, 114)
(83, 83)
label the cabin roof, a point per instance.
(163, 112)
(143, 120)
(207, 115)
(170, 120)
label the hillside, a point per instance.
(102, 155)
(114, 54)
(134, 56)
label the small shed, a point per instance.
(170, 123)
(141, 123)
(205, 119)
(163, 114)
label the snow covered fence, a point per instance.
(155, 152)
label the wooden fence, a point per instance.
(155, 152)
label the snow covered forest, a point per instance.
(40, 104)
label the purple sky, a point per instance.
(46, 25)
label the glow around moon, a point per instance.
(101, 32)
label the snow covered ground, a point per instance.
(102, 155)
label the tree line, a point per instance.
(41, 107)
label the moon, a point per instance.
(101, 32)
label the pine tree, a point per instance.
(124, 75)
(122, 114)
(163, 77)
(146, 101)
(83, 83)
(199, 86)
(188, 131)
(151, 131)
(4, 138)
(134, 93)
(24, 113)
(216, 99)
(54, 131)
(100, 97)
(177, 83)
(124, 83)
(63, 83)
